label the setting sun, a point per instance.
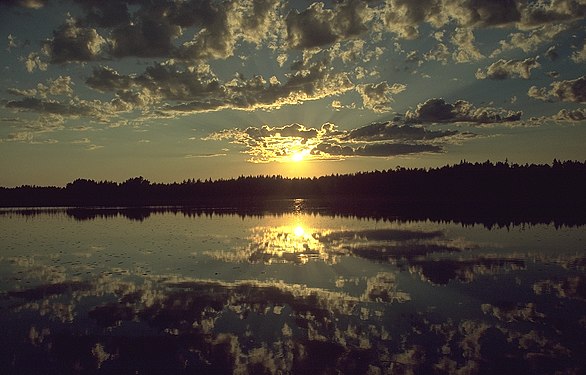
(299, 156)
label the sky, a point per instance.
(178, 89)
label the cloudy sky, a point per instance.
(176, 89)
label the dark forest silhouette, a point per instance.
(465, 190)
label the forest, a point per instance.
(557, 186)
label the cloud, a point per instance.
(11, 43)
(33, 61)
(317, 26)
(580, 55)
(463, 39)
(439, 111)
(378, 97)
(552, 53)
(148, 36)
(530, 41)
(504, 69)
(375, 150)
(32, 130)
(62, 85)
(105, 14)
(569, 115)
(565, 91)
(29, 137)
(105, 79)
(153, 29)
(224, 24)
(209, 155)
(439, 53)
(93, 147)
(81, 141)
(266, 144)
(72, 42)
(73, 108)
(391, 131)
(198, 89)
(539, 13)
(404, 18)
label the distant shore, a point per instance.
(465, 185)
(490, 193)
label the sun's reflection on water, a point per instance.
(290, 243)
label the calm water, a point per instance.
(291, 293)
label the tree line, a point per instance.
(560, 185)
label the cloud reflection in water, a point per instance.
(381, 298)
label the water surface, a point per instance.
(293, 292)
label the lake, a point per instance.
(294, 291)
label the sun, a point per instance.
(299, 156)
(299, 231)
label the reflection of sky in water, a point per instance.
(295, 293)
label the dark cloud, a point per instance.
(433, 110)
(39, 105)
(565, 91)
(72, 108)
(487, 13)
(150, 36)
(317, 26)
(378, 149)
(405, 17)
(310, 28)
(439, 111)
(540, 13)
(197, 88)
(72, 42)
(105, 14)
(152, 29)
(394, 131)
(503, 69)
(107, 79)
